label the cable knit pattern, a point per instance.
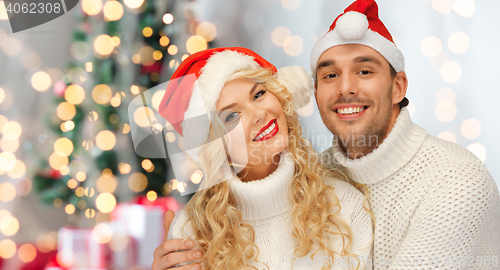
(435, 204)
(266, 206)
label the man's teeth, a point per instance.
(350, 110)
(266, 132)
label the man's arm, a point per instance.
(456, 226)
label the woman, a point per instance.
(266, 202)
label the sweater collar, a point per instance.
(400, 146)
(267, 197)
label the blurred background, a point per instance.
(73, 191)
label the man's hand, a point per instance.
(176, 251)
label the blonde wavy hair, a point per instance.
(228, 243)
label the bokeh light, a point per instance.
(290, 4)
(7, 192)
(65, 111)
(465, 8)
(157, 55)
(207, 30)
(106, 183)
(80, 176)
(12, 46)
(69, 209)
(293, 45)
(2, 95)
(151, 195)
(170, 137)
(41, 81)
(451, 72)
(3, 12)
(172, 49)
(7, 161)
(446, 135)
(89, 192)
(63, 146)
(164, 41)
(144, 117)
(446, 111)
(442, 6)
(146, 55)
(79, 50)
(72, 183)
(137, 182)
(102, 233)
(103, 45)
(32, 61)
(156, 99)
(431, 46)
(105, 202)
(80, 191)
(101, 94)
(18, 171)
(133, 4)
(113, 10)
(7, 249)
(56, 161)
(459, 42)
(105, 140)
(471, 128)
(168, 18)
(445, 94)
(197, 176)
(147, 31)
(12, 130)
(57, 203)
(90, 213)
(46, 243)
(74, 94)
(9, 226)
(124, 168)
(479, 150)
(26, 253)
(279, 35)
(195, 44)
(91, 7)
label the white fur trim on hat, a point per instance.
(352, 25)
(298, 83)
(371, 39)
(206, 92)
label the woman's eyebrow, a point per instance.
(234, 104)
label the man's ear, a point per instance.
(399, 87)
(316, 90)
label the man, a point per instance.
(434, 202)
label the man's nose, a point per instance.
(347, 85)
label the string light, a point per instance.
(101, 94)
(105, 202)
(113, 10)
(103, 45)
(105, 140)
(147, 31)
(41, 81)
(168, 18)
(133, 4)
(65, 111)
(91, 7)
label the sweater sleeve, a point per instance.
(450, 227)
(356, 212)
(179, 229)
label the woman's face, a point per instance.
(254, 118)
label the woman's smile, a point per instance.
(268, 131)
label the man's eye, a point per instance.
(364, 72)
(259, 94)
(331, 76)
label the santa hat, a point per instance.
(195, 87)
(360, 24)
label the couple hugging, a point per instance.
(386, 195)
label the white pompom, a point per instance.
(352, 25)
(298, 83)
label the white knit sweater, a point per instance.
(265, 205)
(433, 201)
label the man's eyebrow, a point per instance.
(234, 104)
(362, 59)
(325, 63)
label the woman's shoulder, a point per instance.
(350, 198)
(180, 227)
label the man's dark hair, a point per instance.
(405, 101)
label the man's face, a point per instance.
(357, 96)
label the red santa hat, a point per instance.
(195, 87)
(360, 24)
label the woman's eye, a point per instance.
(364, 72)
(231, 116)
(259, 94)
